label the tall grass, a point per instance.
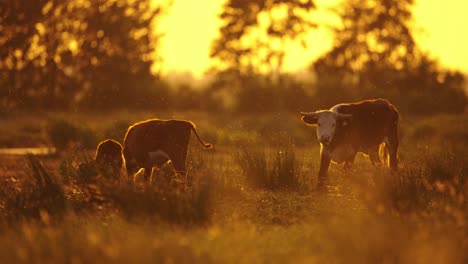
(434, 186)
(148, 203)
(41, 197)
(369, 215)
(278, 169)
(45, 197)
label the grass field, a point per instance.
(253, 198)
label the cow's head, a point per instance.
(326, 122)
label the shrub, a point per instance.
(62, 133)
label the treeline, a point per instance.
(58, 54)
(373, 55)
(62, 54)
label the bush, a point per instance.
(62, 133)
(271, 170)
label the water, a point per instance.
(25, 151)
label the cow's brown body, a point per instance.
(371, 123)
(108, 158)
(153, 142)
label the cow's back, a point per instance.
(155, 134)
(370, 123)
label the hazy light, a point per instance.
(190, 27)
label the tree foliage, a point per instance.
(250, 51)
(253, 33)
(372, 34)
(57, 53)
(374, 54)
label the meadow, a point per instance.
(253, 200)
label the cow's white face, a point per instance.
(326, 122)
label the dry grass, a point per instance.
(52, 214)
(271, 169)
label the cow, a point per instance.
(154, 142)
(108, 158)
(346, 129)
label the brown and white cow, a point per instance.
(349, 128)
(154, 142)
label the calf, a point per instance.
(108, 158)
(349, 128)
(154, 142)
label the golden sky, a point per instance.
(190, 27)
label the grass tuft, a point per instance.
(279, 169)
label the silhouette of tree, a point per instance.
(250, 51)
(374, 54)
(119, 41)
(17, 31)
(373, 40)
(254, 33)
(59, 53)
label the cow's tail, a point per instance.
(205, 145)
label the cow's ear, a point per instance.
(310, 118)
(344, 119)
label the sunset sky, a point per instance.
(190, 27)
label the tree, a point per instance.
(373, 41)
(375, 54)
(119, 44)
(18, 21)
(254, 33)
(94, 53)
(250, 51)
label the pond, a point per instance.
(25, 151)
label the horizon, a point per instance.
(429, 30)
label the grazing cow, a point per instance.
(349, 128)
(108, 158)
(154, 142)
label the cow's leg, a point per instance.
(131, 168)
(148, 172)
(349, 162)
(179, 157)
(180, 166)
(325, 160)
(374, 156)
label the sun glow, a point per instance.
(191, 26)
